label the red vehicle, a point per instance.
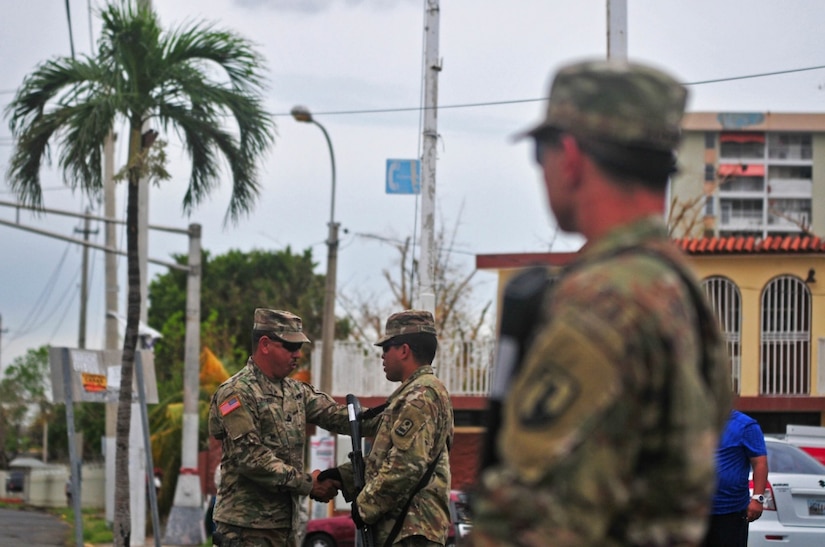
(340, 531)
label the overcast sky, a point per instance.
(340, 56)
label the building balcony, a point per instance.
(741, 221)
(793, 188)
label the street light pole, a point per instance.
(302, 114)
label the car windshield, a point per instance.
(785, 458)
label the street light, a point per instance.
(302, 114)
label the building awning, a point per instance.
(742, 136)
(741, 170)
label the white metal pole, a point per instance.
(111, 341)
(617, 29)
(185, 523)
(432, 67)
(302, 114)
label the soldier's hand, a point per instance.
(323, 490)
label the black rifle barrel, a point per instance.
(521, 305)
(364, 535)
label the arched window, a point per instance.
(785, 358)
(726, 303)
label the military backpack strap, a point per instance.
(704, 316)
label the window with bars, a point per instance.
(785, 354)
(726, 303)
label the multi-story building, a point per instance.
(750, 174)
(747, 206)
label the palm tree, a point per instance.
(146, 76)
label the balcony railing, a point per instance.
(463, 366)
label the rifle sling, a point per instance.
(399, 522)
(373, 412)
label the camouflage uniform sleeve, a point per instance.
(322, 410)
(412, 435)
(233, 419)
(347, 481)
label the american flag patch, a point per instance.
(229, 405)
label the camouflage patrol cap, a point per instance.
(615, 101)
(408, 322)
(283, 325)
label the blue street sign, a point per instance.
(403, 176)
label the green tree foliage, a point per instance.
(89, 419)
(232, 286)
(204, 84)
(26, 413)
(24, 398)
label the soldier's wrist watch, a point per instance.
(758, 497)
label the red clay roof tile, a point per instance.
(752, 245)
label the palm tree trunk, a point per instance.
(122, 516)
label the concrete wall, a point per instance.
(46, 486)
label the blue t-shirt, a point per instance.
(741, 440)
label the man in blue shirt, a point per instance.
(741, 448)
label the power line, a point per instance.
(519, 101)
(762, 75)
(36, 312)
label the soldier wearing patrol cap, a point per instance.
(610, 424)
(412, 442)
(260, 417)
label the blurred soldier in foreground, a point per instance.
(260, 416)
(406, 495)
(611, 419)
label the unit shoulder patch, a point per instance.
(404, 427)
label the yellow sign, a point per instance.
(93, 382)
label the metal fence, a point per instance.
(464, 367)
(785, 365)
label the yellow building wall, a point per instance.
(751, 274)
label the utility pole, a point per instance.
(111, 341)
(617, 29)
(84, 281)
(185, 523)
(432, 67)
(2, 330)
(112, 306)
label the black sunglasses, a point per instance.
(386, 347)
(291, 347)
(543, 141)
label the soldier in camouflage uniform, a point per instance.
(416, 429)
(260, 416)
(610, 426)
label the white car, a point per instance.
(794, 508)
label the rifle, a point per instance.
(521, 303)
(364, 534)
